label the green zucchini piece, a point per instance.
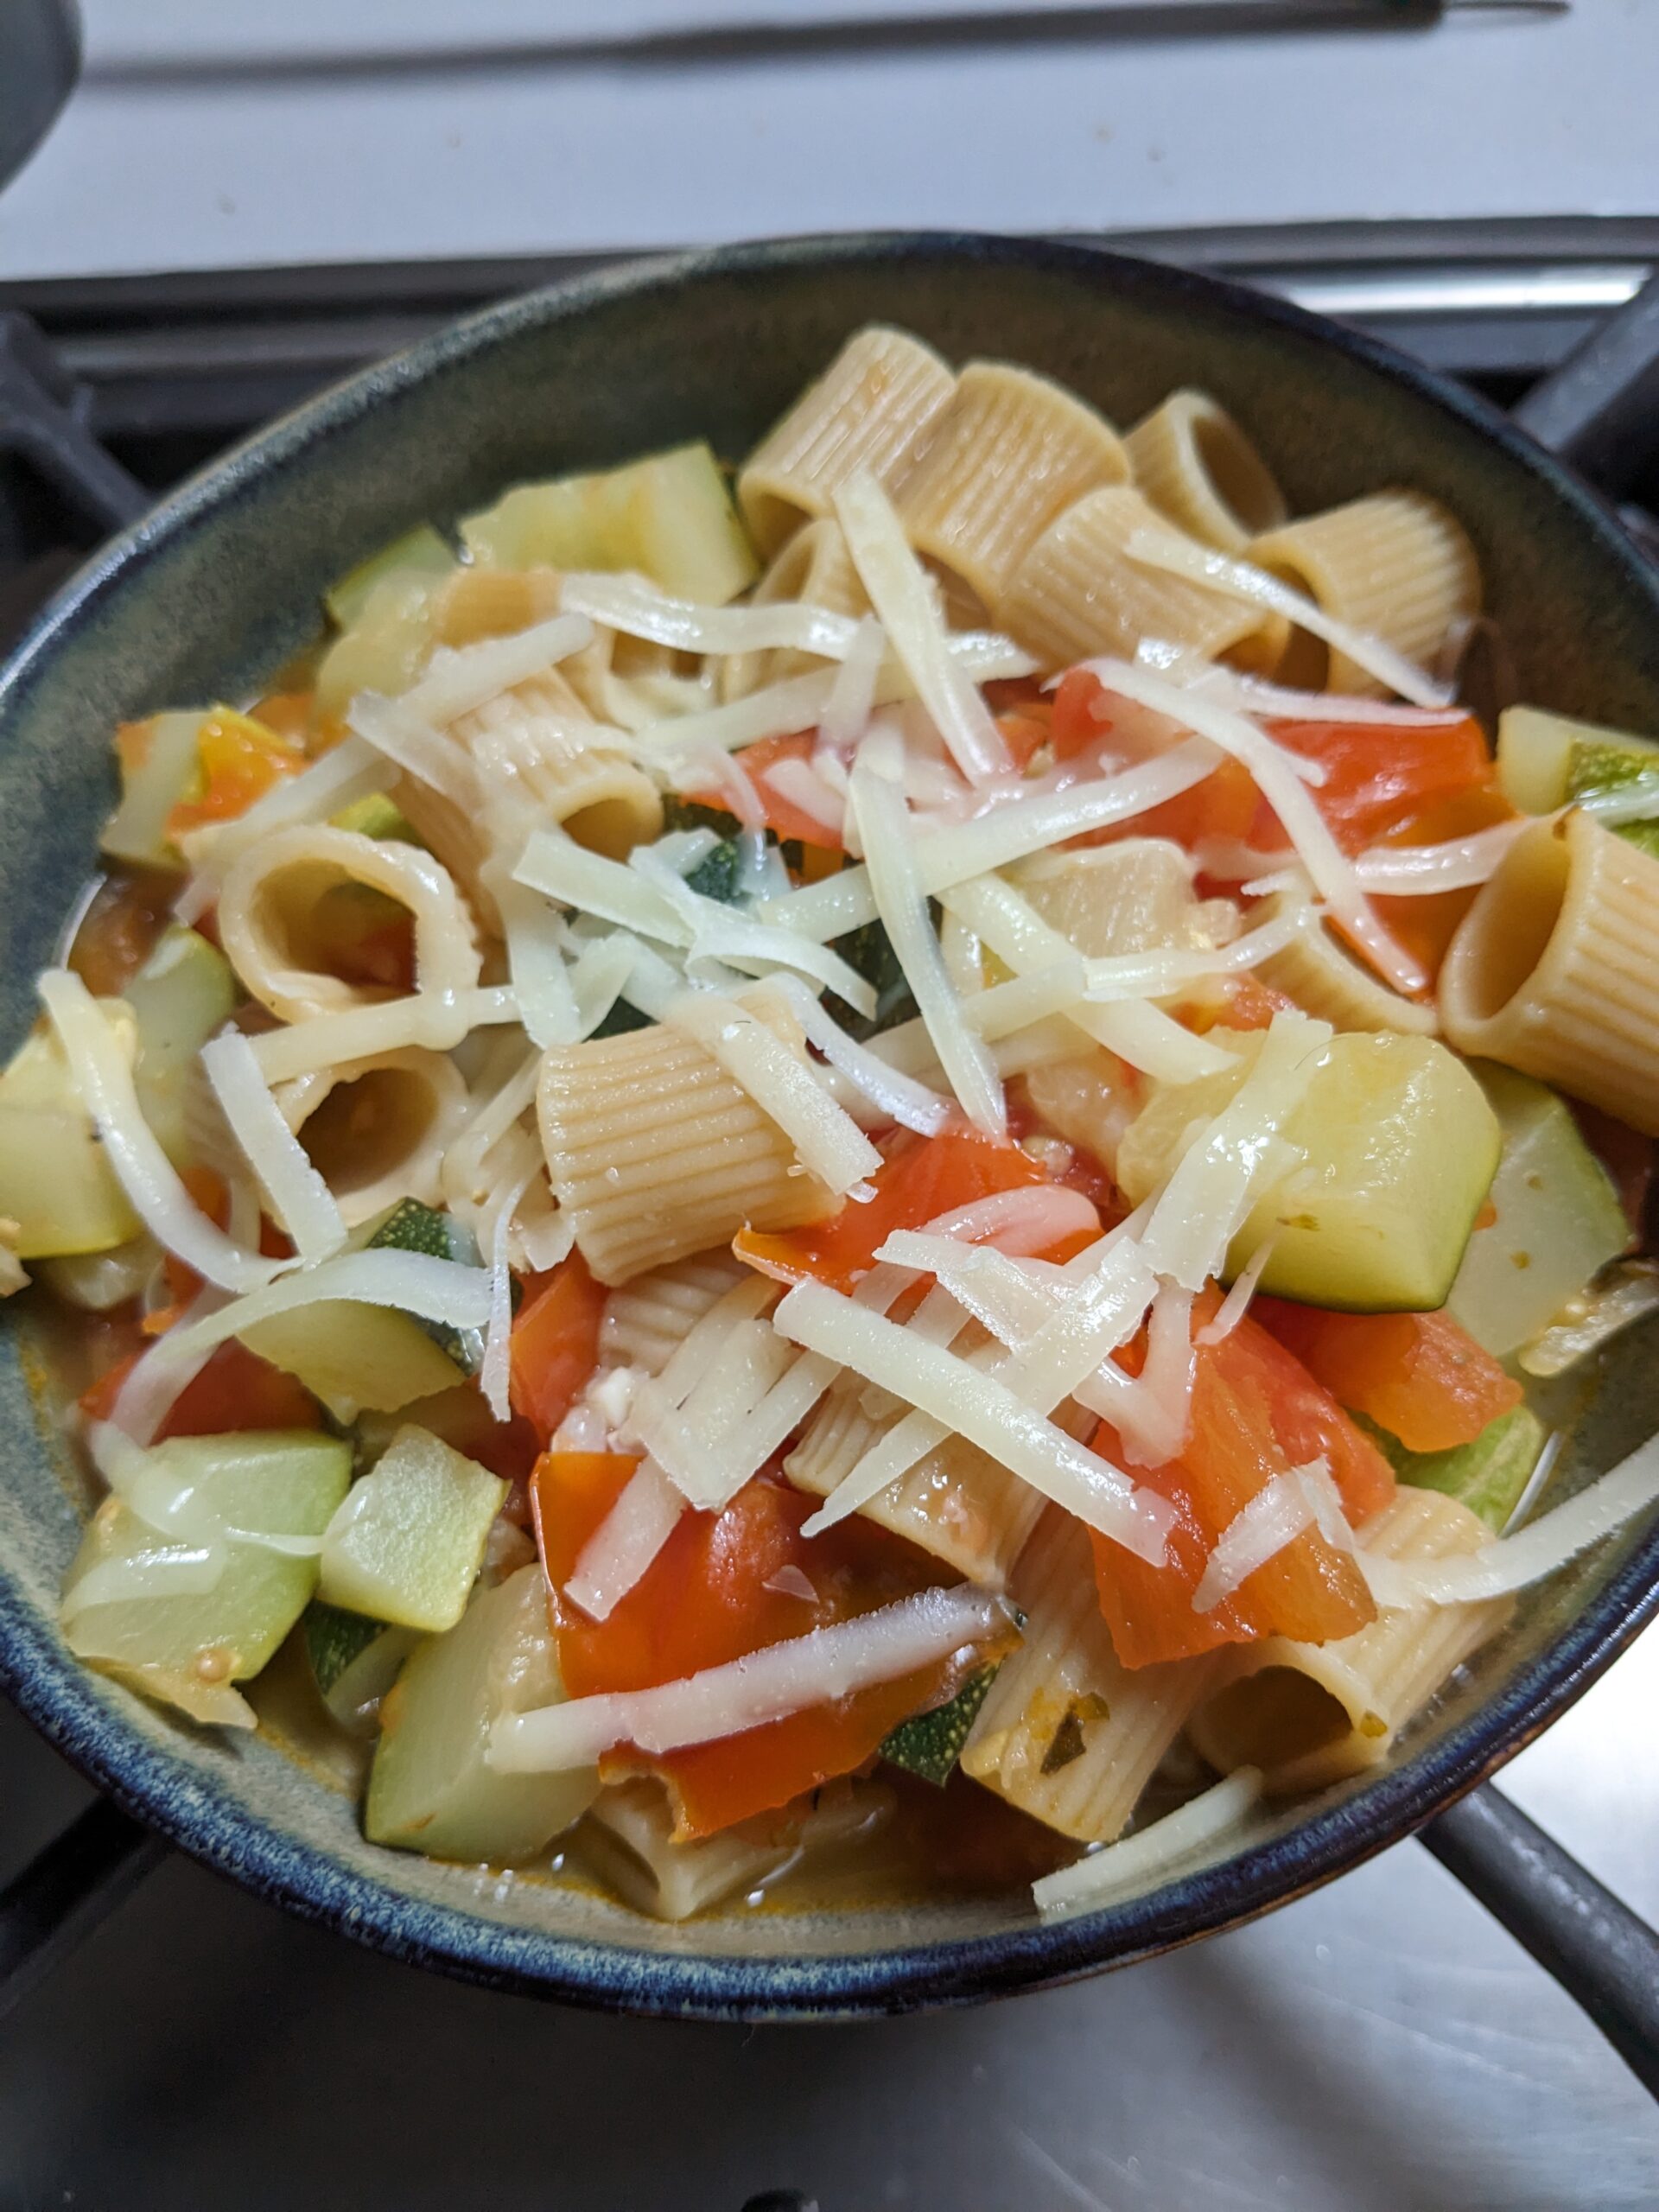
(1397, 1149)
(420, 552)
(181, 996)
(378, 817)
(431, 1788)
(56, 1181)
(870, 950)
(355, 1661)
(930, 1743)
(408, 1540)
(1546, 760)
(138, 1614)
(1559, 1218)
(671, 517)
(412, 1227)
(353, 1357)
(1488, 1476)
(386, 647)
(160, 765)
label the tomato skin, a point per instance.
(235, 1390)
(554, 1345)
(1255, 1414)
(780, 813)
(705, 1600)
(920, 1178)
(1420, 1376)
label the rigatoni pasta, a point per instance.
(766, 1219)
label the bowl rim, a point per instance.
(56, 1693)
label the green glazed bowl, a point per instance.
(220, 585)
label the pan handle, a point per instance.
(1605, 1956)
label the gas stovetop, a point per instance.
(1381, 2046)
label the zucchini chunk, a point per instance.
(431, 1788)
(354, 1661)
(56, 1181)
(407, 1540)
(1489, 1475)
(182, 996)
(420, 554)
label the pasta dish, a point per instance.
(884, 1162)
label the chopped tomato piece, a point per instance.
(1383, 778)
(1249, 1004)
(781, 812)
(920, 1178)
(235, 1390)
(1420, 1376)
(117, 932)
(555, 1344)
(240, 760)
(1256, 1413)
(711, 1596)
(1080, 715)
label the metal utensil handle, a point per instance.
(1602, 1955)
(66, 1889)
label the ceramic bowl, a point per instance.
(220, 585)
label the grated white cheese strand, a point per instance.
(301, 1200)
(437, 1290)
(437, 1020)
(1014, 829)
(628, 603)
(982, 1407)
(160, 1374)
(1205, 1200)
(1259, 1531)
(806, 790)
(104, 1082)
(456, 682)
(1251, 695)
(1458, 864)
(1236, 1304)
(552, 862)
(852, 696)
(623, 1547)
(885, 832)
(1158, 1405)
(1162, 973)
(897, 584)
(721, 934)
(826, 1140)
(817, 1669)
(911, 1104)
(1510, 1563)
(1162, 1848)
(1141, 1034)
(396, 732)
(494, 1374)
(1019, 1223)
(1236, 579)
(541, 980)
(1333, 873)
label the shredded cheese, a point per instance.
(852, 696)
(1259, 1531)
(638, 608)
(781, 1083)
(303, 1201)
(621, 1550)
(437, 1020)
(897, 584)
(884, 830)
(541, 980)
(437, 1290)
(456, 682)
(1236, 1304)
(397, 732)
(1333, 873)
(1236, 579)
(103, 1081)
(983, 1409)
(1161, 1849)
(1458, 864)
(782, 1678)
(894, 1095)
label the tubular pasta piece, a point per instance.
(377, 1129)
(1066, 1732)
(1397, 565)
(1551, 969)
(1009, 452)
(816, 569)
(275, 925)
(648, 1318)
(1076, 592)
(658, 1153)
(1314, 969)
(1309, 1714)
(1192, 461)
(868, 411)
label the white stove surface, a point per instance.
(1381, 2046)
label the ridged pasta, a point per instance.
(288, 897)
(1195, 465)
(1135, 896)
(1076, 593)
(376, 1128)
(1066, 1733)
(1010, 452)
(646, 1322)
(816, 569)
(1397, 564)
(658, 1153)
(1309, 1714)
(956, 1503)
(1326, 981)
(869, 410)
(1551, 969)
(477, 603)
